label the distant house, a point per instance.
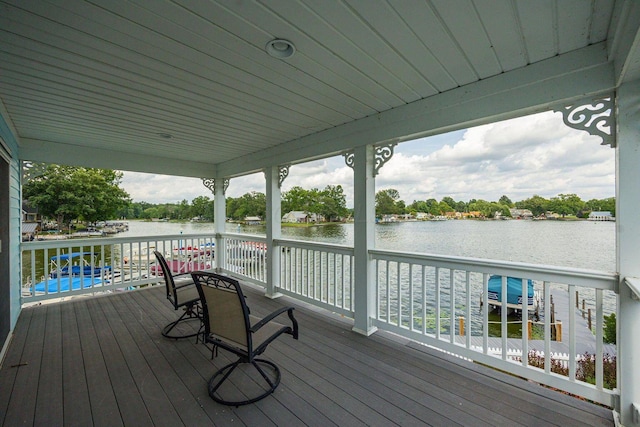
(601, 216)
(29, 230)
(421, 216)
(30, 213)
(389, 218)
(299, 217)
(521, 213)
(472, 214)
(551, 215)
(252, 220)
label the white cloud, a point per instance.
(519, 158)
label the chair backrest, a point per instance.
(168, 278)
(225, 313)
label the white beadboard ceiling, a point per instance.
(103, 82)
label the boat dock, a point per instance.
(585, 339)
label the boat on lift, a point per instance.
(514, 293)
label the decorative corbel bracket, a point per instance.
(596, 116)
(349, 158)
(283, 173)
(210, 183)
(382, 155)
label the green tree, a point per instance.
(333, 203)
(387, 202)
(609, 333)
(566, 204)
(69, 193)
(249, 204)
(201, 207)
(418, 206)
(444, 207)
(461, 207)
(504, 200)
(296, 199)
(450, 202)
(150, 213)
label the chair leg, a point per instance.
(191, 312)
(272, 383)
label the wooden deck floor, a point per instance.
(102, 361)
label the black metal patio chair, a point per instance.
(182, 293)
(228, 325)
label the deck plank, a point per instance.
(156, 401)
(106, 363)
(24, 393)
(12, 364)
(49, 404)
(102, 399)
(77, 406)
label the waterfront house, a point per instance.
(217, 90)
(601, 216)
(252, 220)
(520, 213)
(299, 217)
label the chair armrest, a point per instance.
(270, 317)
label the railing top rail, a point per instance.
(255, 237)
(634, 284)
(584, 277)
(49, 244)
(315, 245)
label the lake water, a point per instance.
(580, 244)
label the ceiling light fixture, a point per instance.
(280, 48)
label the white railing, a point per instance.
(431, 299)
(439, 301)
(106, 264)
(244, 257)
(320, 274)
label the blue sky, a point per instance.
(536, 154)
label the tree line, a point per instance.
(388, 202)
(330, 203)
(66, 193)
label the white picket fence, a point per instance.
(515, 355)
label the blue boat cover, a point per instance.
(514, 290)
(51, 285)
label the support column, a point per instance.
(628, 251)
(218, 187)
(364, 215)
(274, 230)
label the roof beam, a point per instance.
(75, 155)
(574, 75)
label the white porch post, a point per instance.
(364, 214)
(628, 250)
(220, 219)
(274, 227)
